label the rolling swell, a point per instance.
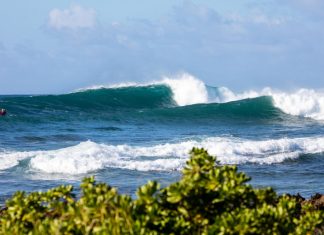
(256, 108)
(153, 96)
(153, 102)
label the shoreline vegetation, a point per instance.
(208, 199)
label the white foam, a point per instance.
(10, 159)
(303, 102)
(89, 156)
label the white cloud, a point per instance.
(75, 17)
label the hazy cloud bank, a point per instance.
(256, 48)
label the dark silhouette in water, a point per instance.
(3, 112)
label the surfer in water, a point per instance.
(3, 112)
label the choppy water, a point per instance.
(128, 134)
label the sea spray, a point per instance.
(187, 90)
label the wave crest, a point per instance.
(187, 89)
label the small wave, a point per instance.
(89, 156)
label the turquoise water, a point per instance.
(128, 135)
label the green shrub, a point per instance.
(208, 199)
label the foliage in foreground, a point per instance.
(209, 199)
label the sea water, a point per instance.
(128, 134)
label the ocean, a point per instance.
(128, 134)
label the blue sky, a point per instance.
(59, 46)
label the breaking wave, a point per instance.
(171, 93)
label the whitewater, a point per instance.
(89, 156)
(126, 134)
